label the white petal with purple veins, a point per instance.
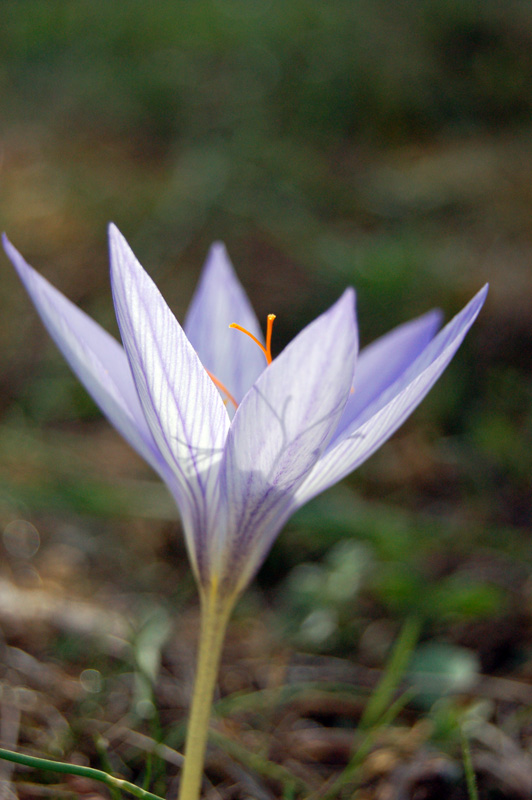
(183, 409)
(384, 360)
(96, 357)
(280, 430)
(302, 423)
(376, 423)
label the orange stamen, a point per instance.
(266, 350)
(219, 385)
(269, 327)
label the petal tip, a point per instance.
(434, 315)
(217, 265)
(430, 322)
(16, 258)
(114, 234)
(217, 248)
(9, 248)
(349, 294)
(476, 303)
(346, 304)
(122, 258)
(218, 259)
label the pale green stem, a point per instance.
(76, 769)
(471, 780)
(215, 612)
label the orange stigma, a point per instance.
(219, 385)
(266, 350)
(269, 327)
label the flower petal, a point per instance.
(279, 431)
(95, 356)
(183, 409)
(387, 412)
(218, 301)
(383, 361)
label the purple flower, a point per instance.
(241, 459)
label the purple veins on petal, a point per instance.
(170, 379)
(284, 423)
(382, 362)
(302, 423)
(183, 409)
(383, 415)
(94, 355)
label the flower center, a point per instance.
(266, 350)
(269, 327)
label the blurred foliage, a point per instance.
(212, 67)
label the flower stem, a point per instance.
(215, 612)
(76, 769)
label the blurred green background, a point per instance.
(387, 145)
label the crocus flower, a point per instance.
(241, 443)
(241, 440)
